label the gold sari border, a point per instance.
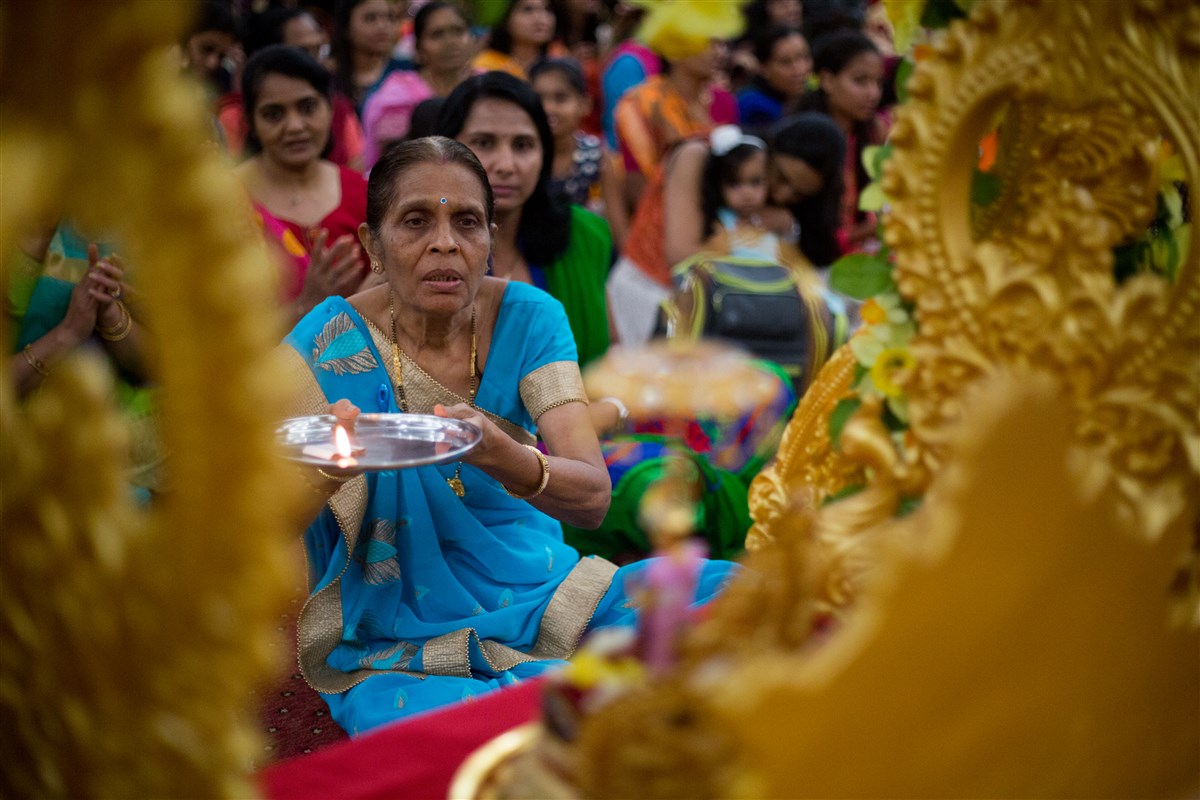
(552, 385)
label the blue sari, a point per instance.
(420, 598)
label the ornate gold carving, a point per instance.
(132, 638)
(1055, 440)
(1037, 287)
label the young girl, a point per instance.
(582, 172)
(733, 197)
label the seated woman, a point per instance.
(433, 584)
(312, 206)
(565, 250)
(64, 298)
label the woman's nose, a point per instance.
(443, 238)
(503, 161)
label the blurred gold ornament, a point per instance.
(1017, 645)
(1031, 629)
(131, 637)
(1029, 279)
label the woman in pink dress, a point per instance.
(313, 205)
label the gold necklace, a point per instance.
(455, 483)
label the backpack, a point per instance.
(758, 305)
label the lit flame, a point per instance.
(341, 442)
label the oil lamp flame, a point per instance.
(341, 443)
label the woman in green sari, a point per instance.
(562, 249)
(54, 314)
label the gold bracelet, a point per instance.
(35, 362)
(335, 478)
(322, 489)
(545, 462)
(119, 331)
(622, 409)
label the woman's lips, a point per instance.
(443, 280)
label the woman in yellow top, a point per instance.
(521, 37)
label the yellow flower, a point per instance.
(888, 367)
(873, 312)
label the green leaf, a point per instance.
(908, 504)
(872, 198)
(849, 491)
(985, 189)
(837, 419)
(903, 72)
(861, 276)
(940, 13)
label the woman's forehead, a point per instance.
(426, 183)
(494, 115)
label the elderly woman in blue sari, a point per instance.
(433, 584)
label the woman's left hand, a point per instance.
(461, 411)
(104, 277)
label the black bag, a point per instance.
(754, 304)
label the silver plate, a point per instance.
(387, 441)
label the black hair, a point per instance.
(815, 139)
(719, 172)
(545, 228)
(266, 27)
(833, 53)
(421, 20)
(291, 62)
(500, 39)
(214, 15)
(567, 67)
(766, 39)
(424, 117)
(399, 157)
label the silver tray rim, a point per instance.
(466, 437)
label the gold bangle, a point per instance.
(335, 478)
(119, 331)
(622, 409)
(35, 362)
(545, 462)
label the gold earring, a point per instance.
(376, 267)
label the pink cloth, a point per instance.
(388, 113)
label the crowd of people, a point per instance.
(463, 217)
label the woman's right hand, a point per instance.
(332, 268)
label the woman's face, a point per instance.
(445, 43)
(506, 142)
(303, 31)
(531, 22)
(434, 239)
(854, 93)
(792, 179)
(291, 120)
(565, 107)
(705, 65)
(785, 12)
(789, 66)
(372, 27)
